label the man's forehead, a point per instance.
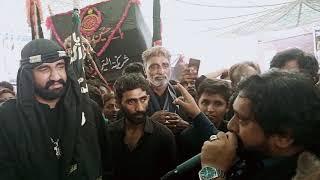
(157, 60)
(134, 94)
(208, 96)
(111, 101)
(242, 106)
(51, 63)
(188, 80)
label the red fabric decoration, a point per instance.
(51, 26)
(118, 26)
(30, 10)
(91, 19)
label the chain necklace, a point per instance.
(56, 147)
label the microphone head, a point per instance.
(189, 164)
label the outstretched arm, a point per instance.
(200, 121)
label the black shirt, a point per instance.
(163, 102)
(54, 124)
(53, 120)
(153, 156)
(26, 151)
(256, 167)
(161, 99)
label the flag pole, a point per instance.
(77, 50)
(156, 38)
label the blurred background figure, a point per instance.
(104, 89)
(95, 94)
(242, 70)
(188, 79)
(6, 94)
(5, 84)
(135, 67)
(297, 60)
(110, 107)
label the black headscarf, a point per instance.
(34, 54)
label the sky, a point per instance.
(182, 34)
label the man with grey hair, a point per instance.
(242, 70)
(162, 94)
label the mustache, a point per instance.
(51, 82)
(161, 76)
(139, 114)
(208, 114)
(191, 90)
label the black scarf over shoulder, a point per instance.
(37, 135)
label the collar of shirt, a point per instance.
(148, 126)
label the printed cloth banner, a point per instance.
(114, 28)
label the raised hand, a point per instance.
(186, 101)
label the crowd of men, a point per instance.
(247, 125)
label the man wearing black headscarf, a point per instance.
(51, 131)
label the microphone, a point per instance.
(185, 166)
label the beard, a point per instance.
(250, 153)
(192, 92)
(158, 81)
(51, 94)
(135, 118)
(112, 116)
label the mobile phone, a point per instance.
(173, 82)
(194, 65)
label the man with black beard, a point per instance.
(272, 135)
(51, 131)
(141, 148)
(276, 122)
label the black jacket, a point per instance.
(26, 151)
